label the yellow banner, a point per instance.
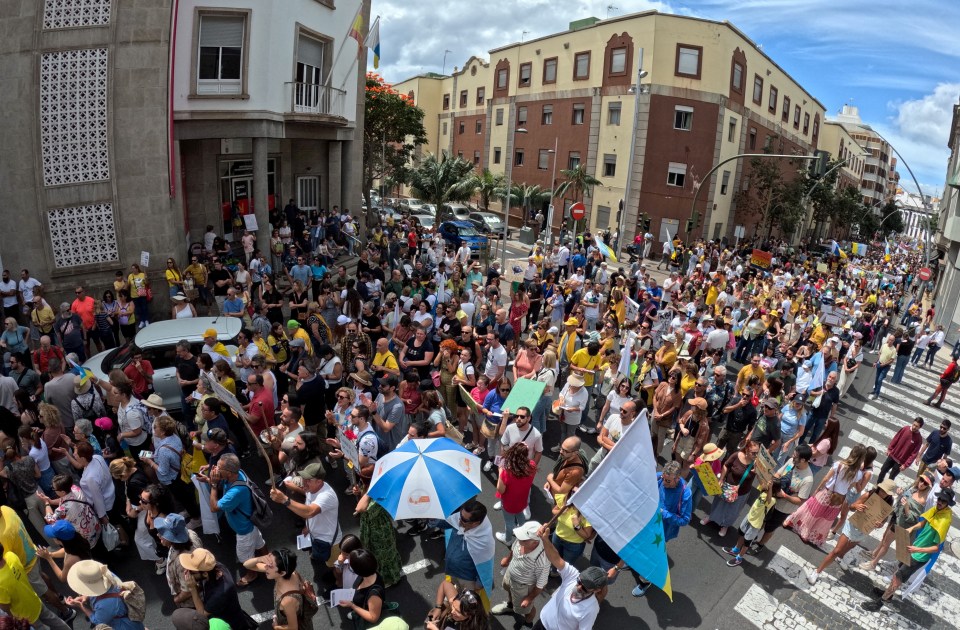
(709, 479)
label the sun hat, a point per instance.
(575, 379)
(154, 401)
(711, 452)
(362, 377)
(947, 496)
(210, 332)
(179, 297)
(171, 527)
(888, 485)
(80, 386)
(197, 560)
(61, 529)
(527, 531)
(342, 320)
(91, 578)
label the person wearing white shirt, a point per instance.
(463, 254)
(575, 604)
(96, 482)
(647, 244)
(27, 286)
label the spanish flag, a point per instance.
(356, 31)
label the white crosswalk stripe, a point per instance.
(872, 423)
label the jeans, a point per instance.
(917, 353)
(744, 349)
(319, 554)
(899, 368)
(511, 522)
(568, 551)
(878, 379)
(931, 353)
(783, 454)
(141, 308)
(890, 466)
(539, 415)
(813, 430)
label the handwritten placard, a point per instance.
(902, 541)
(766, 465)
(709, 479)
(761, 259)
(349, 449)
(876, 510)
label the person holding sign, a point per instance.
(906, 512)
(876, 504)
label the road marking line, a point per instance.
(413, 567)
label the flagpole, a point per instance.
(343, 42)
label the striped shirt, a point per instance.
(528, 569)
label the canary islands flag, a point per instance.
(621, 499)
(373, 43)
(604, 249)
(860, 249)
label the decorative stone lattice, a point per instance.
(73, 116)
(83, 235)
(75, 13)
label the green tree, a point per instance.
(767, 195)
(486, 185)
(443, 181)
(532, 197)
(576, 183)
(392, 130)
(892, 218)
(846, 209)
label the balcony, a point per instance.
(313, 102)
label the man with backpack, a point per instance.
(243, 505)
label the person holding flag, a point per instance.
(576, 603)
(676, 509)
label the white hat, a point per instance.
(91, 578)
(527, 531)
(343, 320)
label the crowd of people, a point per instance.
(730, 363)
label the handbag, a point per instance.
(731, 492)
(435, 377)
(110, 537)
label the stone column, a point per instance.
(334, 174)
(261, 193)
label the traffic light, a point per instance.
(645, 222)
(689, 227)
(818, 167)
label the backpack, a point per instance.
(134, 599)
(262, 515)
(309, 606)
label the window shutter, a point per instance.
(310, 52)
(221, 32)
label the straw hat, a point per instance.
(489, 428)
(711, 452)
(91, 578)
(362, 377)
(80, 386)
(575, 379)
(196, 560)
(154, 401)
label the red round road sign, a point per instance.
(924, 274)
(578, 211)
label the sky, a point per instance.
(896, 62)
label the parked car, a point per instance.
(456, 233)
(455, 211)
(158, 342)
(427, 208)
(488, 223)
(426, 220)
(410, 204)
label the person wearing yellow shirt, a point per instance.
(295, 331)
(750, 369)
(667, 354)
(585, 362)
(384, 362)
(819, 334)
(570, 342)
(572, 532)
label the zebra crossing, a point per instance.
(834, 600)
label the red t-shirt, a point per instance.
(138, 380)
(84, 308)
(260, 421)
(517, 496)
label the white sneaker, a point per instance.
(502, 538)
(526, 513)
(498, 505)
(487, 466)
(813, 576)
(844, 562)
(866, 566)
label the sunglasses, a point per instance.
(521, 416)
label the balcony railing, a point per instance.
(312, 98)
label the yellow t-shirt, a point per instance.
(687, 383)
(565, 529)
(712, 293)
(386, 360)
(302, 334)
(15, 589)
(14, 537)
(582, 359)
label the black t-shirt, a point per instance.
(220, 598)
(829, 399)
(766, 430)
(274, 314)
(362, 595)
(450, 328)
(216, 275)
(415, 353)
(740, 420)
(372, 322)
(188, 371)
(604, 551)
(310, 397)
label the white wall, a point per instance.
(272, 40)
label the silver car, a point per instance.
(158, 343)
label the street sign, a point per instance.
(924, 274)
(578, 211)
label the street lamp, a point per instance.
(506, 202)
(641, 73)
(553, 192)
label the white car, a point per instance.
(411, 204)
(158, 342)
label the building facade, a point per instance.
(569, 99)
(879, 180)
(948, 237)
(130, 126)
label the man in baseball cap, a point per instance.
(527, 571)
(574, 604)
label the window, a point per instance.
(724, 182)
(603, 216)
(546, 116)
(579, 111)
(502, 75)
(753, 139)
(786, 109)
(573, 160)
(521, 116)
(618, 61)
(463, 98)
(481, 95)
(676, 174)
(309, 97)
(816, 127)
(476, 158)
(767, 142)
(550, 70)
(732, 130)
(796, 116)
(688, 61)
(220, 59)
(444, 128)
(757, 89)
(683, 118)
(806, 123)
(446, 101)
(479, 126)
(518, 158)
(613, 114)
(543, 159)
(609, 165)
(525, 71)
(496, 155)
(736, 80)
(462, 127)
(581, 66)
(499, 116)
(772, 105)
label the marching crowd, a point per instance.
(738, 369)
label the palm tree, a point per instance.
(578, 182)
(533, 197)
(442, 181)
(487, 184)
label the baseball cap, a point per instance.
(297, 342)
(771, 403)
(527, 531)
(210, 332)
(389, 381)
(313, 471)
(218, 435)
(593, 578)
(61, 529)
(954, 472)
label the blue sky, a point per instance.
(896, 61)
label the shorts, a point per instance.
(247, 545)
(518, 592)
(853, 534)
(904, 572)
(774, 520)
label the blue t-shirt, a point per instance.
(459, 564)
(494, 401)
(301, 273)
(938, 447)
(579, 260)
(237, 505)
(233, 306)
(319, 271)
(112, 611)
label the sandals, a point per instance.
(247, 580)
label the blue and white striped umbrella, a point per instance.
(427, 478)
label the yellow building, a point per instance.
(708, 94)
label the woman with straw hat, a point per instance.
(101, 597)
(213, 590)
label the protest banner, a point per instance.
(876, 510)
(525, 393)
(902, 541)
(349, 449)
(709, 479)
(761, 259)
(765, 465)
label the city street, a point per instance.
(767, 591)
